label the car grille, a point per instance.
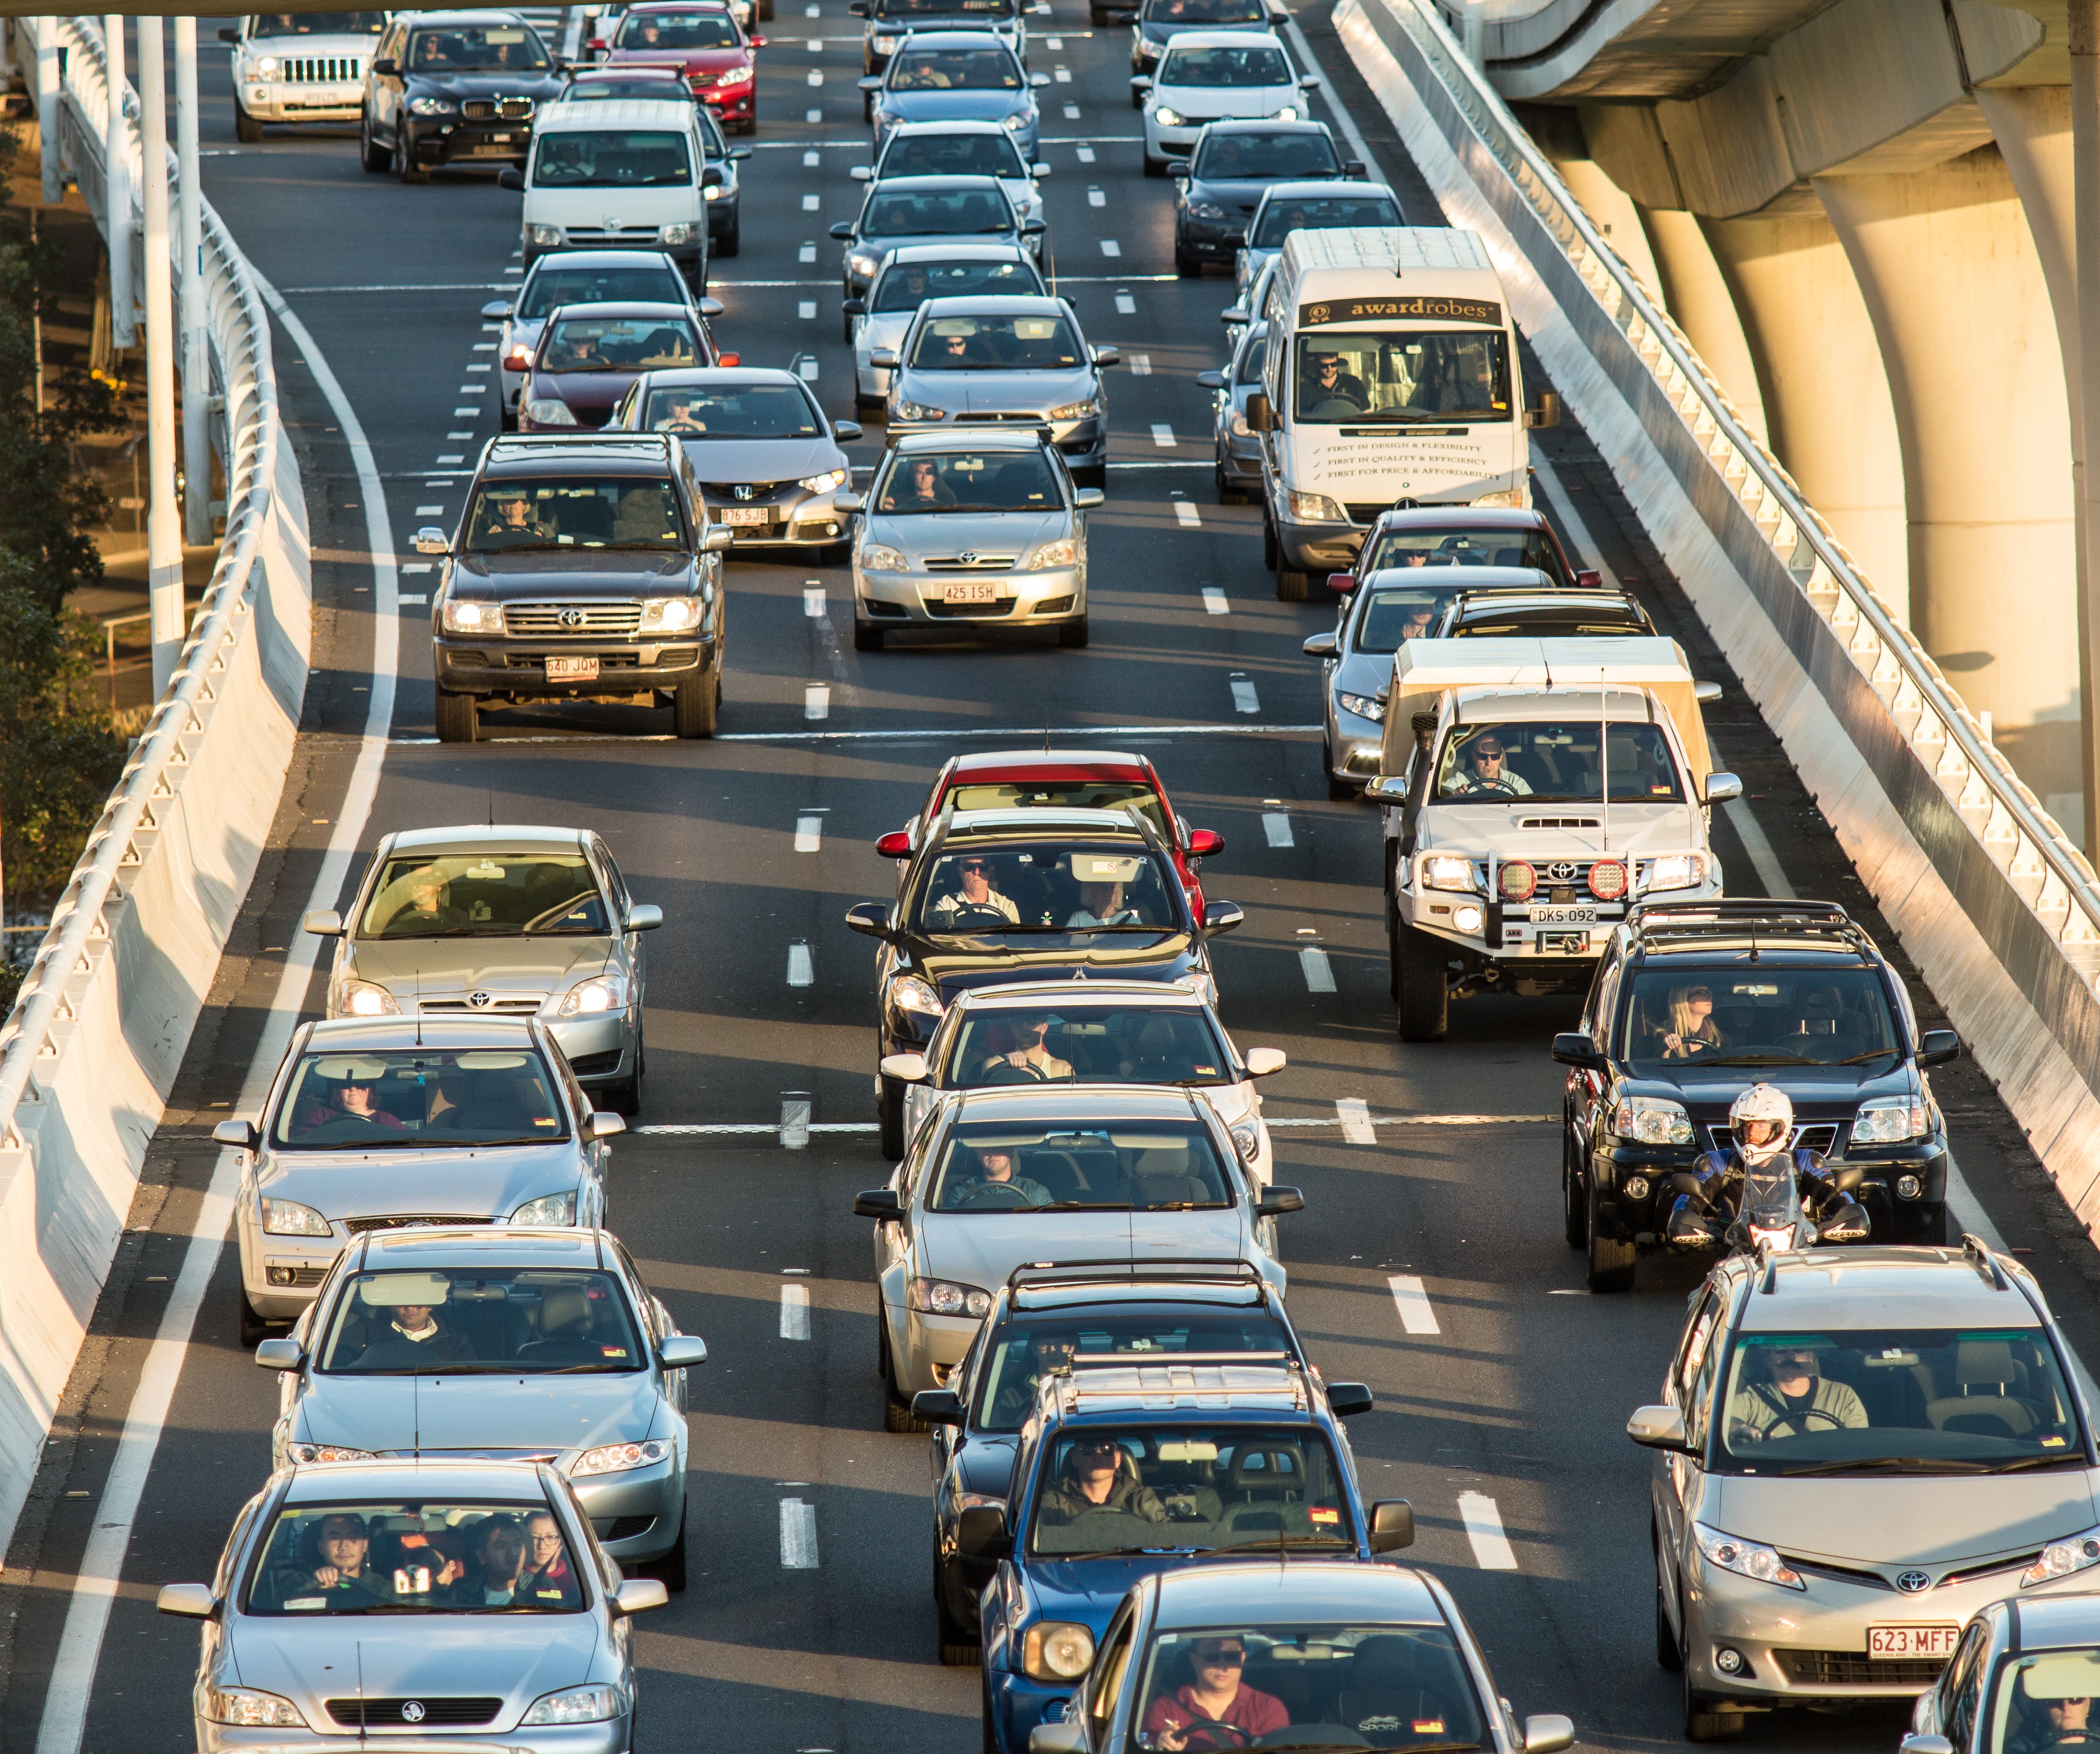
(497, 109)
(505, 1005)
(373, 1714)
(317, 69)
(985, 417)
(739, 492)
(357, 1227)
(595, 1065)
(972, 611)
(1807, 1137)
(622, 1529)
(1855, 1669)
(970, 562)
(620, 237)
(1367, 514)
(555, 621)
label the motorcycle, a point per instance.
(1755, 1209)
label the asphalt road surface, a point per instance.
(1518, 1393)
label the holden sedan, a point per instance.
(905, 210)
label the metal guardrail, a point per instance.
(246, 401)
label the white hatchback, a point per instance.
(1209, 75)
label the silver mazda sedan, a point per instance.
(461, 1605)
(523, 1344)
(378, 1126)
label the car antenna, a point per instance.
(419, 1005)
(492, 807)
(1046, 739)
(1604, 753)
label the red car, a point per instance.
(703, 40)
(588, 356)
(1063, 779)
(1458, 535)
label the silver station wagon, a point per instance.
(519, 1344)
(424, 1607)
(503, 921)
(375, 1126)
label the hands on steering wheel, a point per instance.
(1182, 1733)
(1014, 1195)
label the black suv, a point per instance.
(890, 21)
(1693, 1003)
(445, 88)
(1222, 179)
(584, 567)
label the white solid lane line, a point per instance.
(1214, 601)
(1162, 435)
(802, 972)
(1318, 972)
(1416, 1317)
(1188, 514)
(794, 1312)
(798, 1535)
(1244, 699)
(809, 833)
(87, 1615)
(1355, 1115)
(1277, 826)
(1492, 1551)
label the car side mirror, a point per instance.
(1352, 167)
(872, 82)
(883, 356)
(980, 1532)
(644, 916)
(857, 8)
(1910, 1744)
(1345, 1400)
(906, 1068)
(1088, 499)
(1265, 1062)
(511, 177)
(848, 502)
(842, 229)
(896, 844)
(229, 33)
(1278, 1202)
(638, 1595)
(758, 42)
(1057, 1739)
(495, 310)
(862, 173)
(846, 431)
(1341, 584)
(681, 1352)
(1260, 416)
(718, 539)
(1722, 788)
(192, 1602)
(242, 1136)
(729, 361)
(853, 307)
(1032, 228)
(1320, 646)
(1936, 1046)
(937, 1406)
(1040, 171)
(603, 1123)
(387, 66)
(711, 177)
(738, 154)
(1212, 379)
(280, 1354)
(1310, 81)
(1547, 414)
(431, 539)
(1571, 1047)
(880, 1204)
(1205, 843)
(1178, 169)
(1587, 578)
(1387, 788)
(1392, 1525)
(711, 308)
(1549, 1732)
(1038, 80)
(1658, 1428)
(1221, 916)
(324, 923)
(870, 920)
(1230, 315)
(1140, 82)
(1107, 356)
(1705, 693)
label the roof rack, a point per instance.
(1043, 432)
(1280, 1359)
(1978, 1253)
(1182, 1266)
(1735, 913)
(1232, 1374)
(524, 443)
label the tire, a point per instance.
(1574, 1214)
(255, 1329)
(1072, 635)
(1097, 17)
(1611, 1261)
(1933, 1233)
(1268, 549)
(1668, 1658)
(671, 1568)
(845, 330)
(896, 1410)
(1291, 584)
(696, 706)
(1187, 266)
(765, 9)
(1137, 103)
(956, 1646)
(866, 638)
(625, 1097)
(889, 1118)
(404, 164)
(245, 127)
(375, 159)
(1425, 997)
(459, 718)
(867, 106)
(1154, 167)
(731, 241)
(1340, 791)
(1703, 1721)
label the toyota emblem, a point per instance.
(1561, 871)
(572, 618)
(411, 1711)
(967, 558)
(481, 1001)
(1913, 1583)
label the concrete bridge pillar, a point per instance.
(1698, 296)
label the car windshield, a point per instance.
(316, 24)
(1310, 1687)
(953, 154)
(637, 513)
(1205, 12)
(677, 30)
(1170, 1487)
(1404, 377)
(1763, 1017)
(612, 158)
(985, 343)
(906, 285)
(1557, 764)
(476, 49)
(945, 8)
(550, 288)
(986, 69)
(935, 213)
(414, 1557)
(1045, 888)
(617, 344)
(1321, 213)
(1078, 793)
(1895, 1400)
(734, 411)
(1593, 621)
(1089, 1044)
(415, 1099)
(969, 481)
(1385, 619)
(1242, 157)
(2044, 1701)
(484, 895)
(1257, 64)
(521, 1321)
(640, 83)
(1147, 1166)
(1030, 1348)
(1448, 546)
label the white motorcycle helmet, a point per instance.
(1760, 1121)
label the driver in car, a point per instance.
(1047, 1353)
(1216, 1695)
(973, 899)
(1482, 769)
(1098, 1474)
(1794, 1399)
(1327, 381)
(678, 413)
(355, 1098)
(1030, 1054)
(2052, 1723)
(996, 1169)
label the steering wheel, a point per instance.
(1014, 1196)
(1195, 1724)
(968, 910)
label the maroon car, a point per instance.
(703, 40)
(589, 355)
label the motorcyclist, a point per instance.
(1760, 1122)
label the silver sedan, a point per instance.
(1237, 444)
(907, 277)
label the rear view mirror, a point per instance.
(228, 33)
(853, 307)
(845, 431)
(387, 66)
(1345, 1400)
(605, 1124)
(1722, 788)
(1589, 580)
(1232, 314)
(1547, 414)
(711, 177)
(1205, 843)
(280, 1354)
(896, 844)
(1705, 692)
(1057, 1739)
(1265, 1062)
(1392, 1525)
(1341, 584)
(1038, 80)
(1221, 916)
(644, 916)
(885, 357)
(638, 1595)
(1032, 228)
(1320, 646)
(1938, 1046)
(719, 539)
(1107, 356)
(192, 1602)
(842, 229)
(711, 308)
(325, 923)
(1387, 788)
(1571, 1047)
(1259, 414)
(511, 177)
(495, 310)
(870, 920)
(1910, 1744)
(1212, 379)
(847, 502)
(429, 539)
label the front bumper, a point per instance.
(796, 518)
(1355, 745)
(1239, 459)
(722, 214)
(738, 103)
(275, 101)
(1164, 143)
(612, 1737)
(1083, 443)
(1206, 239)
(688, 255)
(638, 1514)
(280, 1274)
(1058, 593)
(934, 1345)
(1318, 547)
(518, 670)
(1019, 1705)
(434, 140)
(597, 1048)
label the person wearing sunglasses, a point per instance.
(1692, 1030)
(1099, 1475)
(2052, 1723)
(1482, 768)
(1214, 1695)
(974, 902)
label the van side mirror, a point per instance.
(980, 1532)
(1547, 414)
(1705, 693)
(1938, 1046)
(1260, 416)
(1392, 1525)
(1571, 1047)
(511, 177)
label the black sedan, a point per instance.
(1221, 184)
(448, 88)
(902, 210)
(997, 896)
(1159, 20)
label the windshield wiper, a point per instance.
(1859, 1059)
(1891, 1464)
(1754, 1059)
(2019, 1463)
(444, 931)
(1081, 1205)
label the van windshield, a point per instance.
(612, 158)
(1404, 377)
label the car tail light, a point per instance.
(1608, 879)
(1517, 881)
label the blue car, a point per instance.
(1127, 1470)
(956, 76)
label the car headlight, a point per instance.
(941, 1297)
(1678, 870)
(288, 1217)
(1749, 1558)
(1468, 918)
(681, 233)
(1316, 507)
(1246, 1138)
(1510, 496)
(1168, 118)
(711, 192)
(1651, 1121)
(549, 411)
(1205, 210)
(919, 411)
(1065, 552)
(1889, 1121)
(874, 558)
(617, 1458)
(248, 1707)
(265, 66)
(736, 76)
(909, 993)
(671, 615)
(1447, 870)
(830, 482)
(2060, 1558)
(366, 999)
(594, 1704)
(1077, 411)
(886, 45)
(546, 236)
(593, 997)
(1236, 424)
(309, 1453)
(1057, 1651)
(1288, 112)
(549, 1208)
(861, 262)
(1364, 706)
(1015, 122)
(432, 106)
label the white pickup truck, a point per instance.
(1532, 790)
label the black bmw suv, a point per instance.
(448, 88)
(1692, 1003)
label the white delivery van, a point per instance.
(1392, 379)
(1533, 791)
(627, 174)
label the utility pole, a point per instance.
(164, 529)
(196, 352)
(116, 192)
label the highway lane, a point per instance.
(1518, 1394)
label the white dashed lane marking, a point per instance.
(1096, 198)
(794, 1318)
(1318, 972)
(1086, 155)
(807, 253)
(1355, 1115)
(808, 833)
(806, 309)
(801, 972)
(1277, 826)
(1191, 518)
(811, 203)
(1126, 305)
(817, 700)
(1244, 699)
(798, 1536)
(811, 161)
(1416, 1317)
(429, 511)
(1492, 1551)
(813, 601)
(1214, 601)
(1162, 435)
(1109, 247)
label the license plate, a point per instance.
(1563, 916)
(1896, 1643)
(499, 145)
(746, 514)
(985, 592)
(572, 669)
